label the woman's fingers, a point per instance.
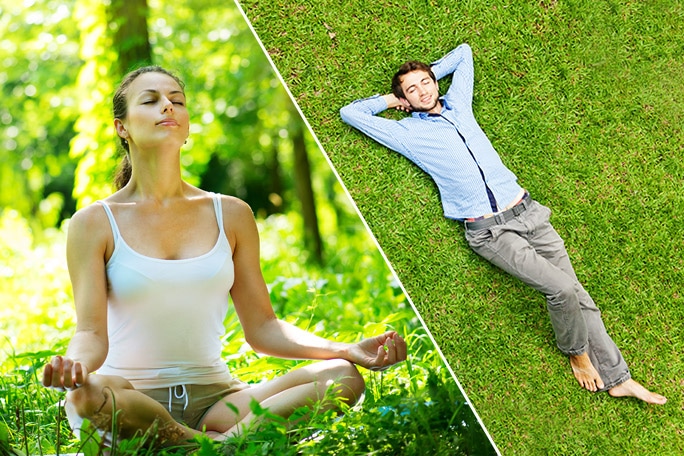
(80, 375)
(67, 380)
(379, 363)
(390, 351)
(57, 372)
(64, 374)
(47, 375)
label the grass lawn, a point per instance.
(583, 100)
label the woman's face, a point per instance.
(157, 114)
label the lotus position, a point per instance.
(152, 268)
(502, 222)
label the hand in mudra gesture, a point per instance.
(380, 352)
(64, 374)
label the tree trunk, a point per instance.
(131, 37)
(302, 172)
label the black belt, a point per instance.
(501, 217)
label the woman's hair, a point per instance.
(406, 68)
(120, 111)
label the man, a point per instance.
(502, 223)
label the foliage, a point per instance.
(39, 55)
(58, 152)
(583, 100)
(35, 295)
(241, 131)
(351, 298)
(58, 75)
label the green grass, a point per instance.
(583, 100)
(410, 408)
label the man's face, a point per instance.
(421, 91)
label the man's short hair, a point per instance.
(406, 68)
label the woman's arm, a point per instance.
(265, 332)
(88, 241)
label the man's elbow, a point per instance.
(346, 114)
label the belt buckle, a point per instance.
(500, 218)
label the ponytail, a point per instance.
(123, 173)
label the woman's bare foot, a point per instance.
(585, 373)
(215, 435)
(633, 389)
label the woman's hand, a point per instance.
(380, 352)
(65, 374)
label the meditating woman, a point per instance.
(152, 267)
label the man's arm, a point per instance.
(459, 63)
(396, 103)
(363, 115)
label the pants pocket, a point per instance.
(478, 238)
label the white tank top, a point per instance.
(165, 317)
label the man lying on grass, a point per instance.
(502, 222)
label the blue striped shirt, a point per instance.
(433, 142)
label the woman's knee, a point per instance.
(91, 398)
(347, 375)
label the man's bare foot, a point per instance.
(585, 373)
(633, 389)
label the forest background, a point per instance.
(61, 61)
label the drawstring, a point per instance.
(173, 392)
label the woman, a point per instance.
(151, 268)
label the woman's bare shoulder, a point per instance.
(89, 217)
(89, 230)
(235, 206)
(238, 218)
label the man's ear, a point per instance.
(405, 103)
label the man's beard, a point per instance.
(419, 109)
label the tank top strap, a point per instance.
(218, 208)
(112, 221)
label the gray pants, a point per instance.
(529, 248)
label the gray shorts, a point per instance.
(188, 404)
